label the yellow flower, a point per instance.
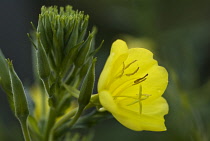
(131, 87)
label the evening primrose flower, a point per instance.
(131, 87)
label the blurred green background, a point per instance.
(176, 31)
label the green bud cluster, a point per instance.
(65, 60)
(61, 33)
(64, 51)
(65, 64)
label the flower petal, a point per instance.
(157, 107)
(151, 118)
(156, 82)
(117, 55)
(107, 101)
(119, 47)
(138, 62)
(157, 79)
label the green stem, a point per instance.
(25, 130)
(76, 117)
(65, 118)
(50, 123)
(58, 124)
(68, 125)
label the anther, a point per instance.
(125, 67)
(137, 81)
(130, 64)
(129, 74)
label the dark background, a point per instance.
(177, 31)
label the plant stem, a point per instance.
(68, 125)
(50, 123)
(58, 124)
(25, 130)
(65, 118)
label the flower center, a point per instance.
(140, 97)
(128, 79)
(125, 79)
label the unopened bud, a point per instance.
(84, 51)
(19, 96)
(87, 86)
(5, 81)
(42, 61)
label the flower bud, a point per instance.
(69, 59)
(84, 51)
(84, 68)
(87, 86)
(83, 30)
(74, 36)
(61, 34)
(5, 81)
(42, 61)
(19, 96)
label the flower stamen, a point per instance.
(133, 103)
(130, 64)
(129, 74)
(124, 97)
(140, 99)
(123, 70)
(145, 96)
(125, 86)
(140, 104)
(137, 81)
(127, 66)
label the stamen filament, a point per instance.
(133, 103)
(129, 84)
(125, 97)
(140, 108)
(140, 104)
